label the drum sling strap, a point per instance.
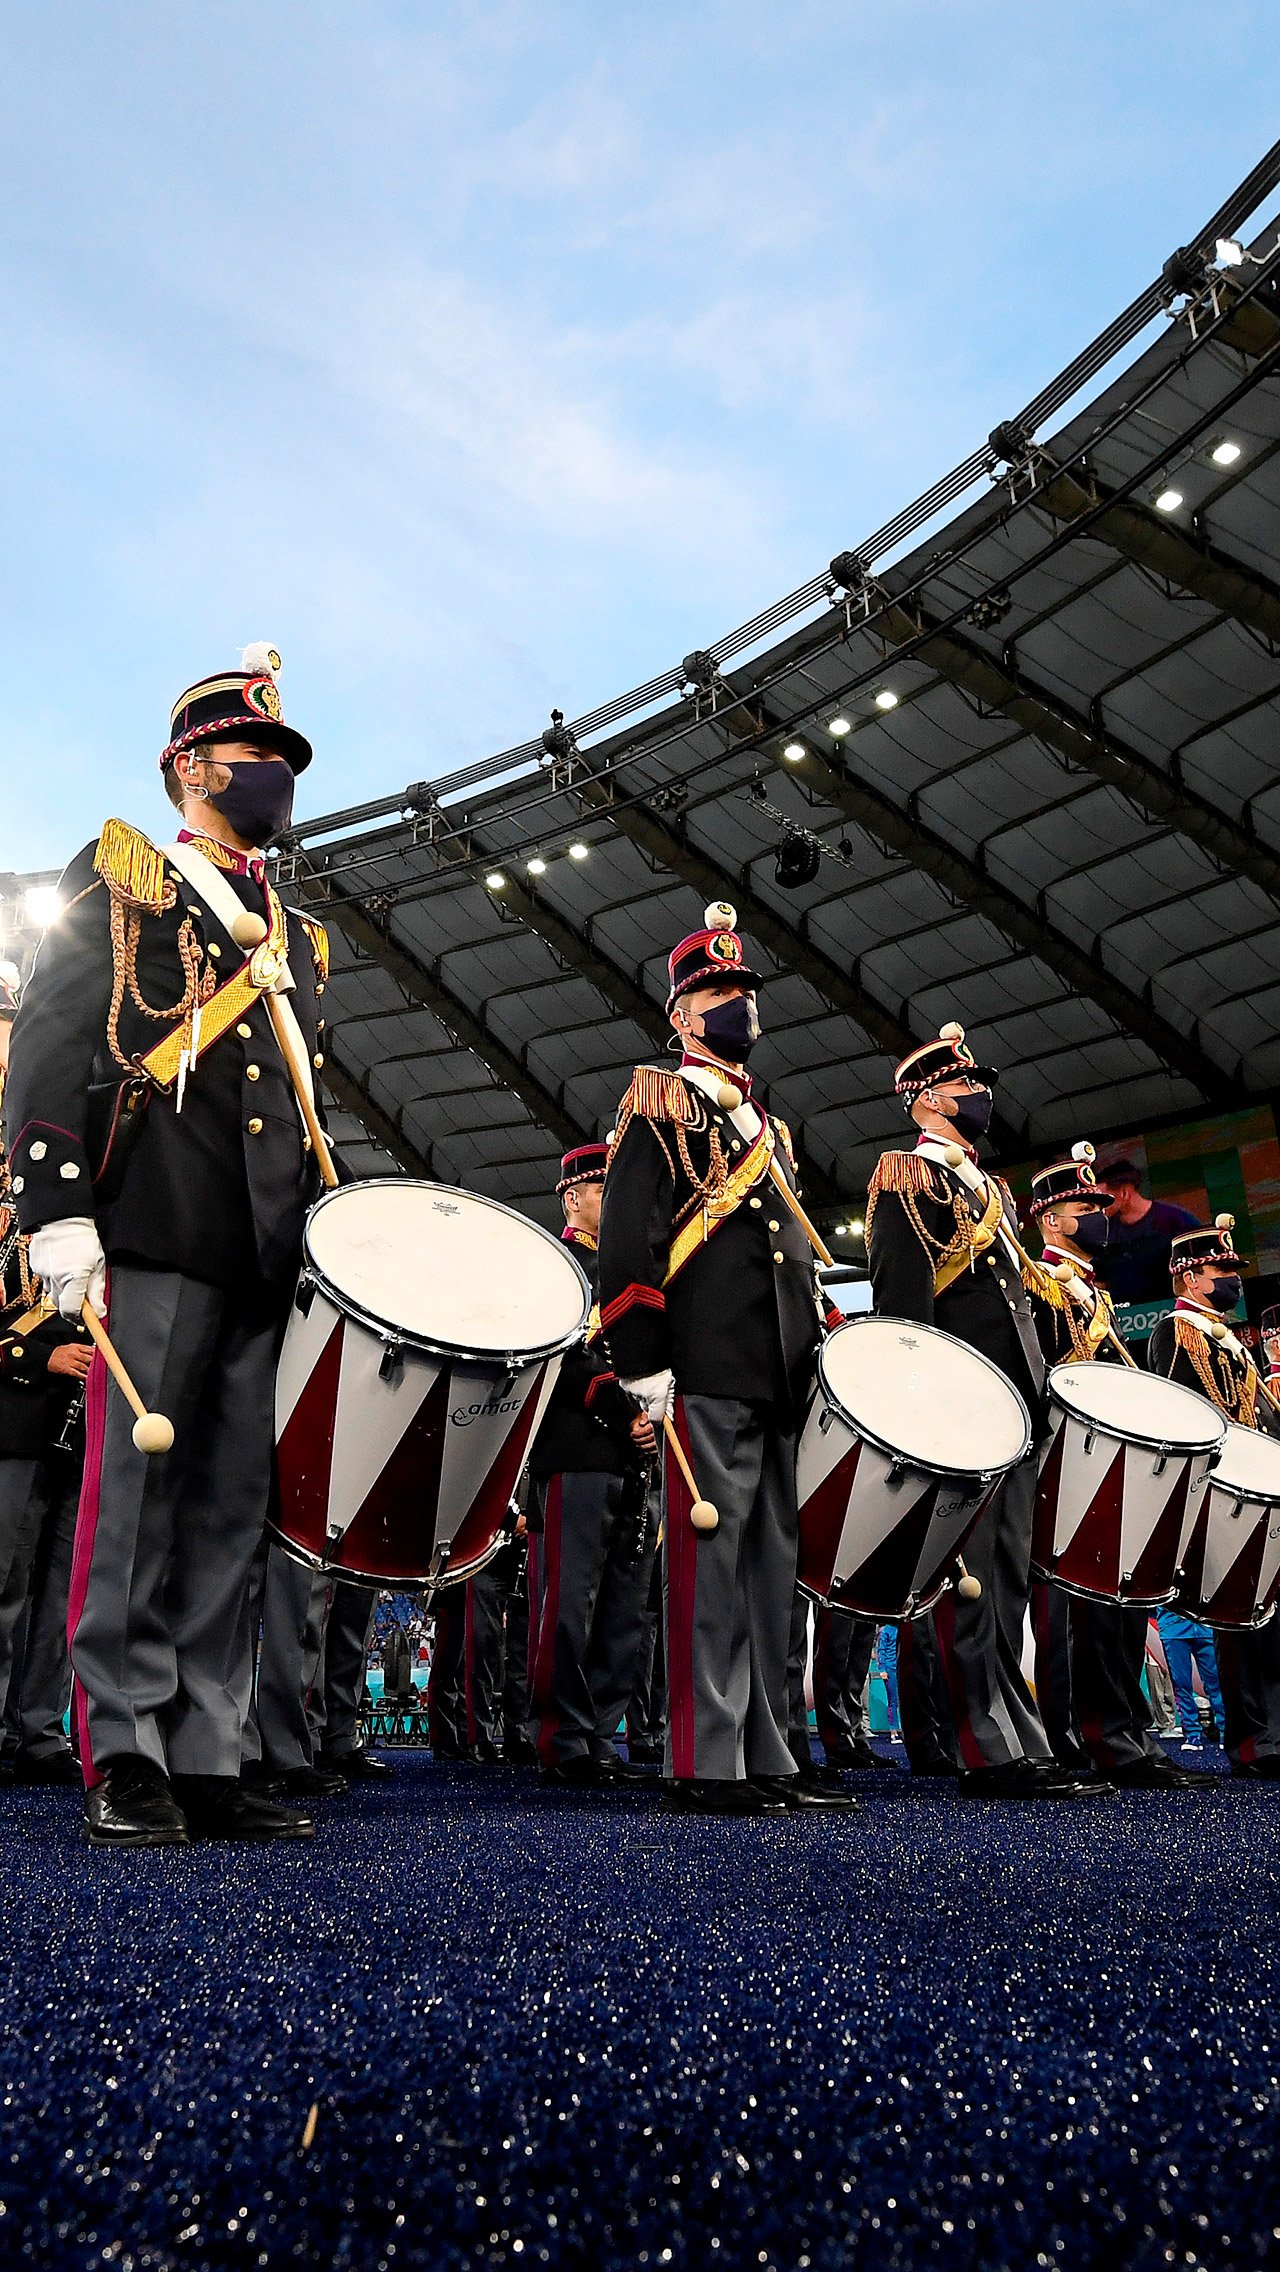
(703, 1225)
(265, 971)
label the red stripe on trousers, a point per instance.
(944, 1625)
(95, 1423)
(682, 1573)
(545, 1660)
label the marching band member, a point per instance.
(1194, 1345)
(941, 1245)
(590, 1473)
(710, 1313)
(154, 1135)
(1089, 1654)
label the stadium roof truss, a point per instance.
(1054, 814)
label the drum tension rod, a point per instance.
(391, 1362)
(305, 1296)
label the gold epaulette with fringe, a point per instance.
(317, 940)
(905, 1171)
(132, 868)
(787, 1145)
(656, 1094)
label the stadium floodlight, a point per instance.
(579, 851)
(42, 905)
(886, 699)
(494, 881)
(1225, 452)
(857, 1228)
(838, 728)
(793, 752)
(1228, 253)
(1168, 501)
(537, 866)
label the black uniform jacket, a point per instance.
(1055, 1313)
(586, 1428)
(986, 1305)
(33, 1401)
(219, 1191)
(1171, 1353)
(739, 1318)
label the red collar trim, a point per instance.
(1054, 1254)
(225, 855)
(572, 1236)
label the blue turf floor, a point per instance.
(574, 2031)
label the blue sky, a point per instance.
(490, 357)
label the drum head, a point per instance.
(1250, 1463)
(921, 1395)
(444, 1268)
(1143, 1408)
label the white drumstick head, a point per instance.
(1063, 1272)
(969, 1588)
(952, 1155)
(249, 930)
(1218, 1330)
(153, 1433)
(704, 1516)
(727, 1097)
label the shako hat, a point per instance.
(707, 956)
(237, 706)
(1191, 1250)
(586, 1164)
(946, 1059)
(1068, 1179)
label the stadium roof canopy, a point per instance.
(1034, 761)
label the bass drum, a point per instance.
(1230, 1573)
(421, 1351)
(907, 1436)
(1121, 1481)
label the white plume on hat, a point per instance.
(720, 916)
(261, 657)
(1084, 1151)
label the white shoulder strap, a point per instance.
(211, 883)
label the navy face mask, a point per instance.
(731, 1028)
(973, 1114)
(1225, 1293)
(1092, 1231)
(258, 800)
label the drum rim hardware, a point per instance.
(388, 1329)
(1122, 1433)
(894, 1452)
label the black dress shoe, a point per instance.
(581, 1774)
(259, 1775)
(645, 1754)
(486, 1754)
(219, 1806)
(313, 1783)
(133, 1805)
(1027, 1779)
(60, 1767)
(520, 1751)
(802, 1794)
(631, 1770)
(700, 1794)
(1161, 1774)
(1256, 1770)
(359, 1766)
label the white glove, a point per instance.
(656, 1392)
(67, 1256)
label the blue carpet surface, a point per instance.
(574, 2031)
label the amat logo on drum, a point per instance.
(492, 1410)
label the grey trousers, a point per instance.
(729, 1592)
(591, 1627)
(40, 1682)
(160, 1641)
(336, 1696)
(287, 1607)
(980, 1642)
(647, 1706)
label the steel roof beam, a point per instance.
(353, 1096)
(1093, 748)
(967, 881)
(426, 988)
(1157, 542)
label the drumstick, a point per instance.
(822, 1251)
(702, 1514)
(968, 1587)
(151, 1431)
(302, 1091)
